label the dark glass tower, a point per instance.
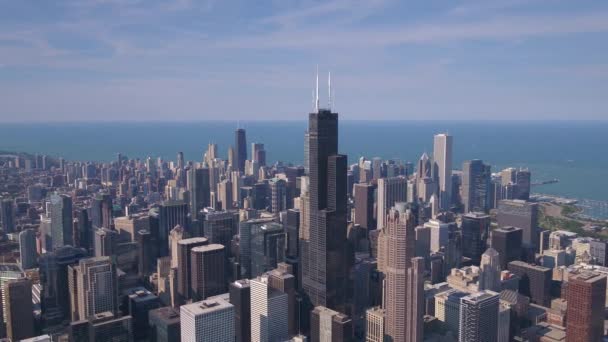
(326, 256)
(240, 149)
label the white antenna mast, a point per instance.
(317, 92)
(329, 87)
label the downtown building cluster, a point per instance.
(239, 250)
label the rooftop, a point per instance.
(205, 306)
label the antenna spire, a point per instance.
(317, 91)
(329, 89)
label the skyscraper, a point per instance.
(475, 231)
(489, 273)
(93, 287)
(184, 265)
(240, 149)
(209, 320)
(476, 181)
(507, 242)
(534, 282)
(240, 297)
(390, 191)
(200, 191)
(269, 316)
(521, 214)
(61, 220)
(479, 317)
(325, 254)
(171, 214)
(19, 312)
(396, 248)
(27, 249)
(415, 301)
(164, 324)
(585, 313)
(7, 214)
(330, 325)
(207, 271)
(364, 205)
(442, 158)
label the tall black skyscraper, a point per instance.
(240, 149)
(326, 257)
(476, 185)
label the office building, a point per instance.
(140, 302)
(489, 271)
(200, 190)
(586, 295)
(374, 325)
(19, 311)
(175, 236)
(240, 297)
(479, 317)
(475, 232)
(164, 324)
(364, 205)
(521, 214)
(269, 316)
(240, 150)
(220, 226)
(442, 167)
(415, 300)
(278, 195)
(439, 232)
(106, 241)
(330, 325)
(282, 279)
(476, 182)
(93, 286)
(326, 259)
(55, 293)
(171, 214)
(534, 282)
(598, 251)
(61, 221)
(507, 241)
(7, 214)
(396, 248)
(207, 271)
(27, 249)
(184, 265)
(208, 320)
(390, 191)
(104, 326)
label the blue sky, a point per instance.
(147, 60)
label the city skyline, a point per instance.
(115, 60)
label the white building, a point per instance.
(439, 234)
(208, 320)
(269, 312)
